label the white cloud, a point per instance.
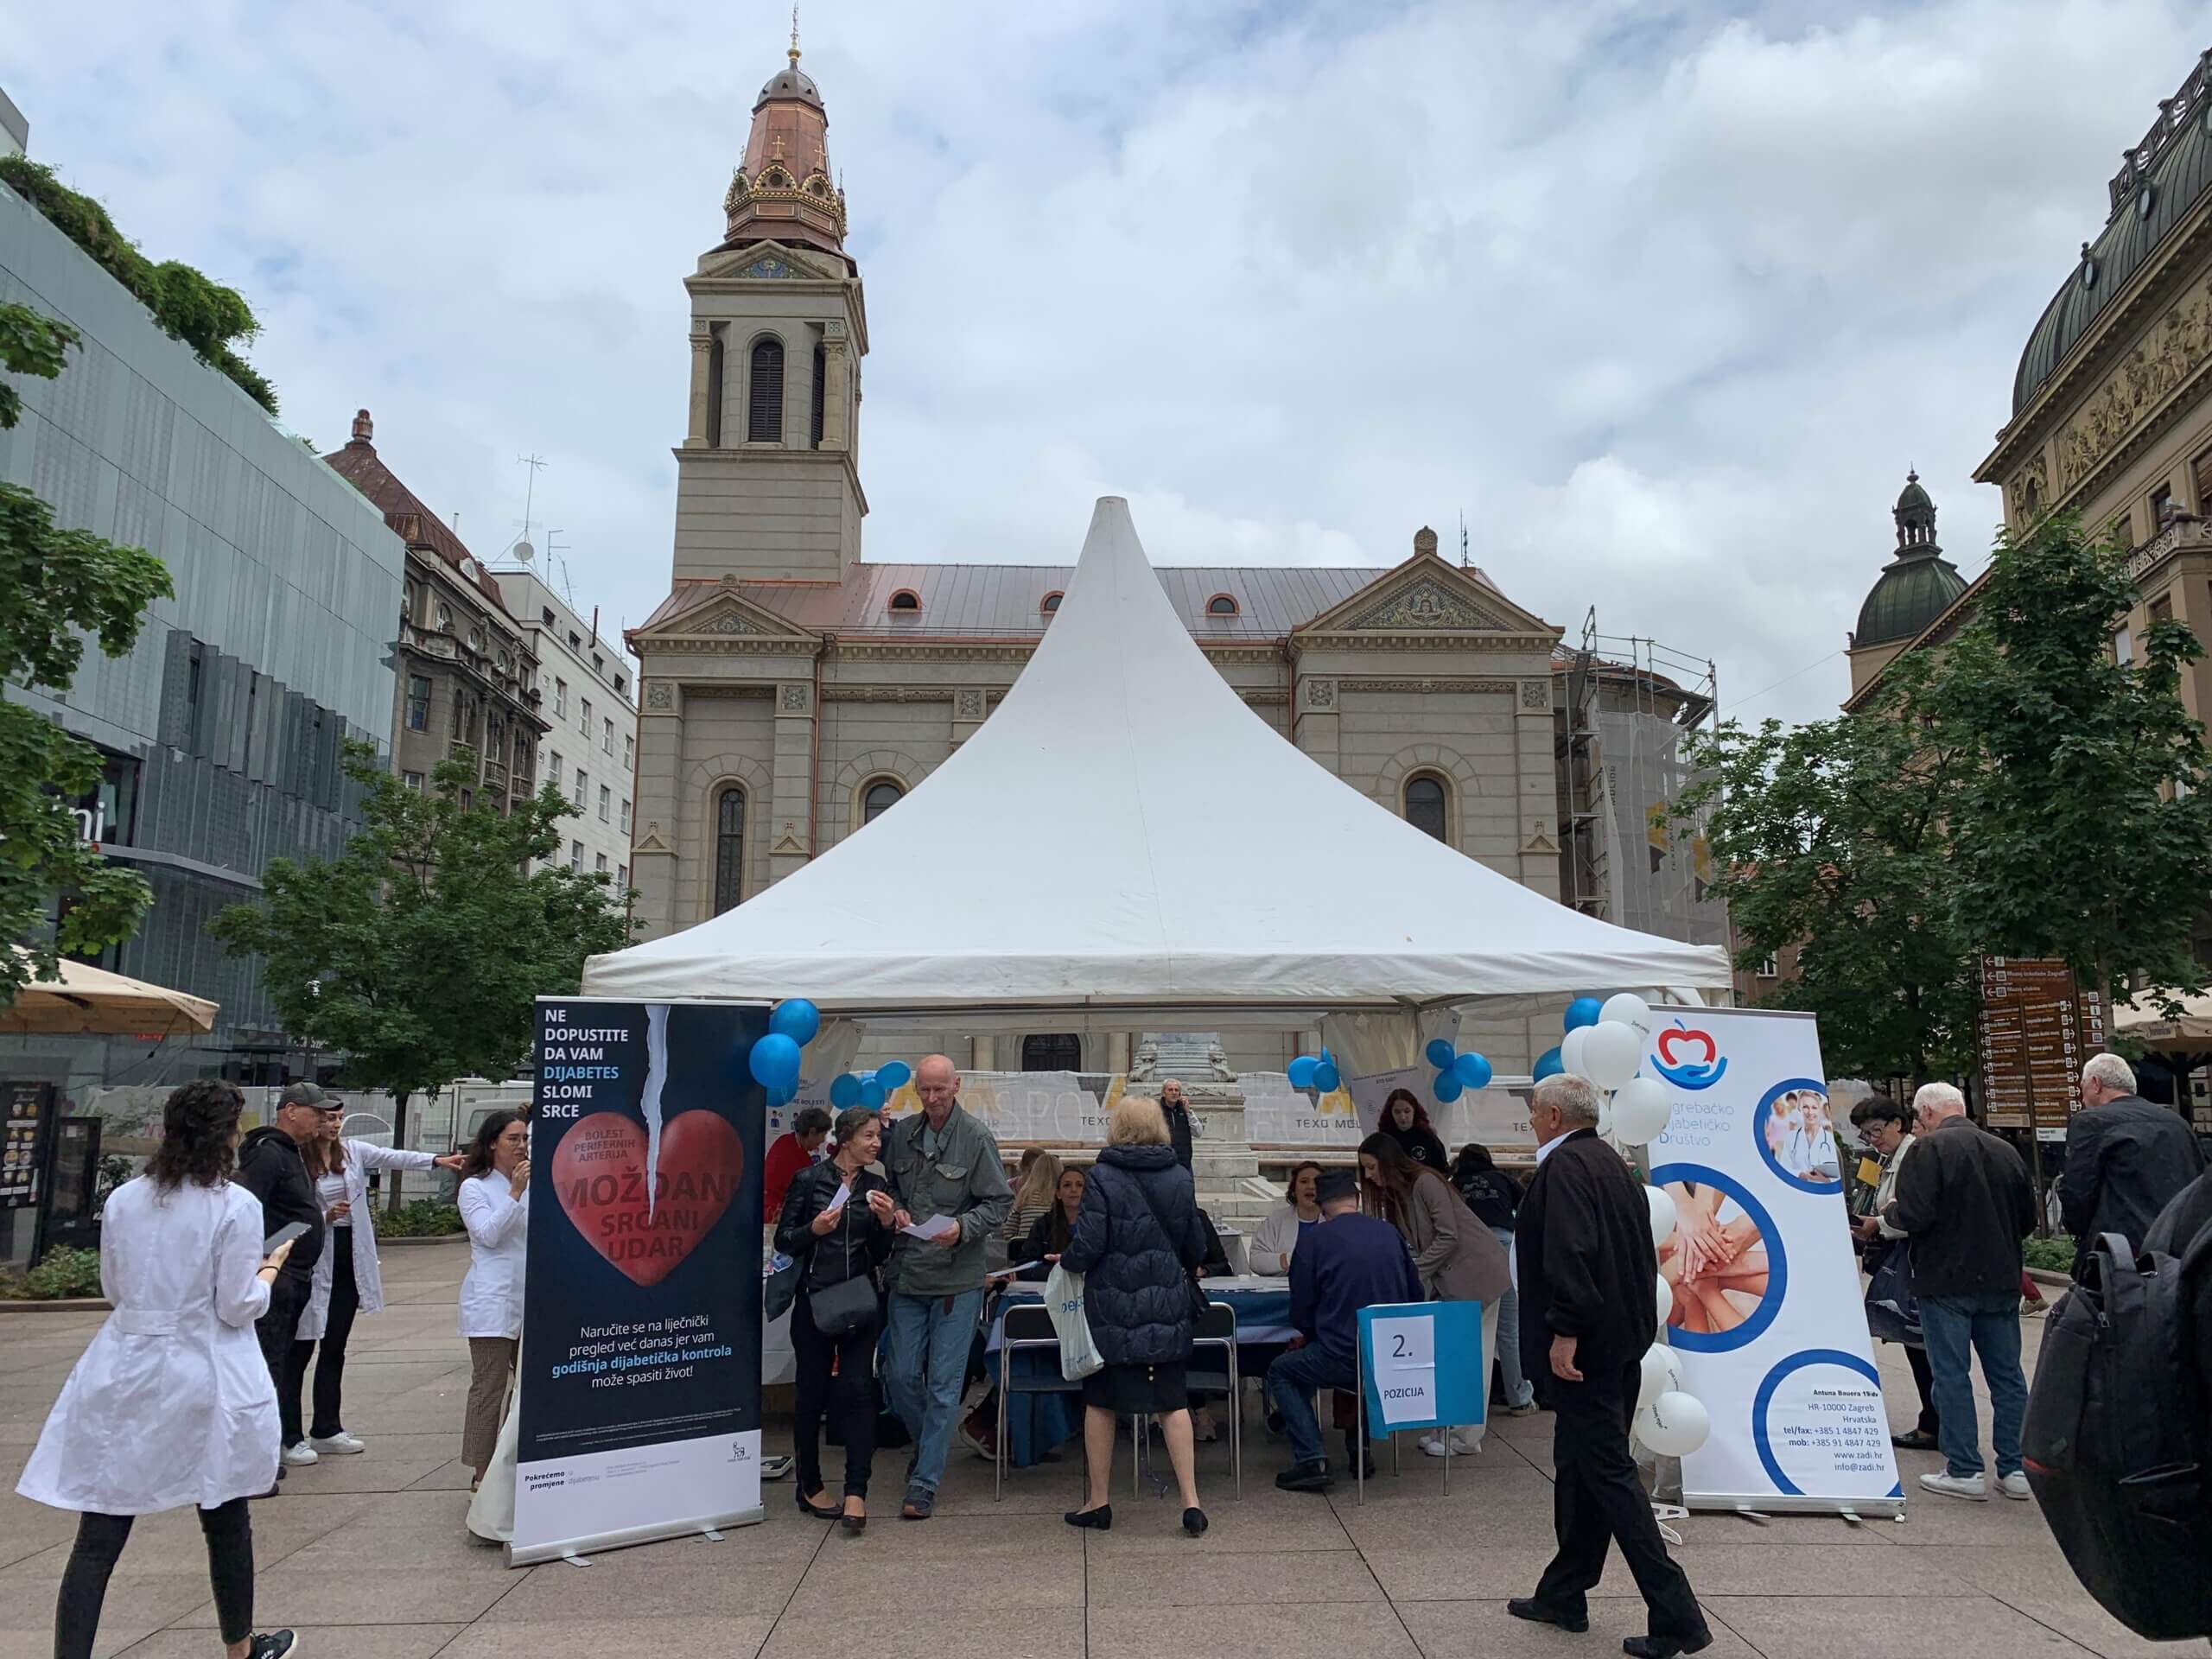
(1666, 302)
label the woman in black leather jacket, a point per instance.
(839, 1239)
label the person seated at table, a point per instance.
(1347, 1262)
(1048, 1233)
(1278, 1235)
(1036, 1178)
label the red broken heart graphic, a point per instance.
(598, 1171)
(1674, 1034)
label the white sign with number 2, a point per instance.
(1404, 1358)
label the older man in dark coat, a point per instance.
(1588, 1280)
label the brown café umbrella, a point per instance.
(85, 999)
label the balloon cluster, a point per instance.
(1316, 1072)
(1605, 1043)
(869, 1088)
(1455, 1073)
(774, 1061)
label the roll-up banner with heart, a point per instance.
(639, 1384)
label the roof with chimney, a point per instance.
(415, 524)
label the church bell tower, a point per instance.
(768, 477)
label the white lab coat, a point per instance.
(172, 1403)
(497, 1222)
(368, 1278)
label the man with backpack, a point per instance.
(1965, 1200)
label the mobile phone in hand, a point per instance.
(282, 1236)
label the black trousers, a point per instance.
(1596, 1496)
(1924, 1380)
(100, 1539)
(330, 1366)
(847, 1398)
(287, 1300)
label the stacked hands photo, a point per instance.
(1715, 1260)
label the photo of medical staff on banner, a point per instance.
(1765, 1284)
(639, 1383)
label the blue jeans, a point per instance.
(1291, 1381)
(930, 1337)
(1988, 1323)
(1519, 1391)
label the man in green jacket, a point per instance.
(947, 1180)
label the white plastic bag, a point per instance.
(1064, 1301)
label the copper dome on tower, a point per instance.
(784, 190)
(1918, 584)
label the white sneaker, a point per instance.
(296, 1456)
(1972, 1486)
(2015, 1485)
(1461, 1445)
(340, 1444)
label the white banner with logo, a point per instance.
(1767, 1313)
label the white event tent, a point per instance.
(1123, 835)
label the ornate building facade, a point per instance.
(793, 692)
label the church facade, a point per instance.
(793, 692)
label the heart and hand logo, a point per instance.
(598, 1171)
(1687, 1059)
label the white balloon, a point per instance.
(1570, 1050)
(1627, 1009)
(1666, 1302)
(1663, 1215)
(1677, 1424)
(1640, 1109)
(1663, 1374)
(1611, 1054)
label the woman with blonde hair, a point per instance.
(1037, 1183)
(1138, 1236)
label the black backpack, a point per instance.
(2116, 1438)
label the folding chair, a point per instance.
(1219, 1331)
(1028, 1328)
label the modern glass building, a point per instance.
(222, 728)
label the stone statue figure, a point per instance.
(1218, 1063)
(1145, 1068)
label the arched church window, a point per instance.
(1425, 805)
(715, 358)
(880, 798)
(906, 599)
(729, 848)
(821, 384)
(764, 414)
(1057, 1051)
(1050, 602)
(1222, 605)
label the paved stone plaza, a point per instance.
(368, 1556)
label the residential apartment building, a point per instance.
(587, 698)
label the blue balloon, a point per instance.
(1446, 1086)
(872, 1093)
(897, 1074)
(1302, 1070)
(1471, 1069)
(775, 1061)
(1548, 1064)
(1583, 1010)
(1326, 1077)
(797, 1018)
(845, 1091)
(1438, 1052)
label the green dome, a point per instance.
(1909, 594)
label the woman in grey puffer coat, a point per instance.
(1139, 1239)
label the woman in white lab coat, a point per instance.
(495, 1175)
(172, 1403)
(346, 1280)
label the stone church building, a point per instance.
(793, 691)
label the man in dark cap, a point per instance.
(1347, 1262)
(270, 1167)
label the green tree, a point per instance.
(2085, 830)
(419, 951)
(56, 586)
(1831, 836)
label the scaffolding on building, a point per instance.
(1630, 705)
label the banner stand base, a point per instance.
(1755, 1506)
(567, 1548)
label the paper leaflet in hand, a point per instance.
(935, 1227)
(838, 1200)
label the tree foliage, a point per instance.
(418, 952)
(57, 585)
(1830, 837)
(2085, 831)
(212, 319)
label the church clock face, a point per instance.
(770, 268)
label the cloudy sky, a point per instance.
(1665, 298)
